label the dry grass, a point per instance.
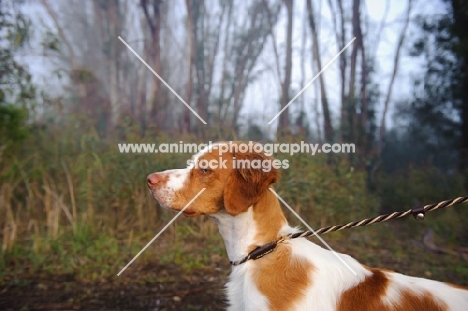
(72, 204)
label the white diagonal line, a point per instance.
(159, 233)
(318, 236)
(162, 80)
(313, 79)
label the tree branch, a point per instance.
(396, 61)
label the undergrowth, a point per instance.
(71, 203)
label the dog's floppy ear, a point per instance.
(246, 184)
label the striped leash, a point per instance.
(417, 212)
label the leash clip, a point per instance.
(418, 213)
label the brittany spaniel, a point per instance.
(298, 274)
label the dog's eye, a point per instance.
(205, 171)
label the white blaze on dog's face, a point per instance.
(225, 188)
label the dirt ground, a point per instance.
(202, 290)
(155, 286)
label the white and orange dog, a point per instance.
(298, 274)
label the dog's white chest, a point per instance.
(242, 293)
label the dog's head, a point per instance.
(233, 181)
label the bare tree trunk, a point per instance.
(302, 122)
(196, 11)
(283, 126)
(356, 24)
(383, 21)
(200, 72)
(343, 66)
(350, 102)
(63, 37)
(142, 85)
(74, 75)
(214, 49)
(355, 124)
(148, 89)
(273, 40)
(340, 43)
(221, 104)
(114, 28)
(191, 58)
(158, 112)
(243, 45)
(316, 104)
(246, 54)
(396, 61)
(327, 125)
(364, 137)
(154, 23)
